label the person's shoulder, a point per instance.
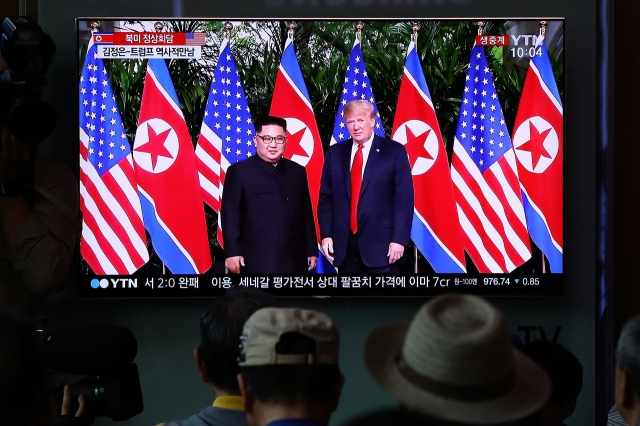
(389, 142)
(240, 166)
(213, 416)
(336, 147)
(293, 165)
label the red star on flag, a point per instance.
(535, 144)
(415, 146)
(155, 146)
(293, 144)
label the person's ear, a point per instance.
(568, 408)
(625, 396)
(248, 398)
(202, 369)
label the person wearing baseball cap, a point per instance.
(289, 374)
(454, 364)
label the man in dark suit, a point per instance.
(267, 218)
(365, 234)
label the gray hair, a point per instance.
(628, 351)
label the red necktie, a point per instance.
(356, 184)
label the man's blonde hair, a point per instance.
(357, 104)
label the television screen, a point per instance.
(222, 152)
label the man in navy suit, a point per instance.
(365, 234)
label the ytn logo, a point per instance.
(524, 40)
(124, 283)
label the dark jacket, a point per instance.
(267, 216)
(385, 207)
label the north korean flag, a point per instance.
(537, 140)
(167, 177)
(291, 101)
(435, 229)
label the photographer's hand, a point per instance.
(67, 403)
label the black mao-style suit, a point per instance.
(267, 216)
(385, 207)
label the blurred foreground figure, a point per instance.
(565, 372)
(26, 387)
(39, 223)
(454, 364)
(627, 381)
(289, 374)
(217, 355)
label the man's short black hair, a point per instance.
(270, 120)
(24, 379)
(220, 329)
(290, 385)
(563, 368)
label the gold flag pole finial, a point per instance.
(158, 26)
(292, 29)
(228, 26)
(481, 25)
(95, 25)
(543, 28)
(415, 27)
(359, 28)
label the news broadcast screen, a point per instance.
(218, 153)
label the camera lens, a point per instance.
(32, 121)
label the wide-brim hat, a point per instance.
(454, 362)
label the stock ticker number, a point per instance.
(496, 281)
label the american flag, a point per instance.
(195, 39)
(485, 177)
(113, 238)
(356, 87)
(227, 130)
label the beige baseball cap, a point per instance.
(263, 330)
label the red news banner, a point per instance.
(140, 45)
(492, 40)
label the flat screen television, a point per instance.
(167, 106)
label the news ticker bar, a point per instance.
(189, 286)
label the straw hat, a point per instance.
(455, 362)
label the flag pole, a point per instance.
(415, 26)
(543, 32)
(359, 28)
(481, 25)
(292, 29)
(228, 26)
(543, 28)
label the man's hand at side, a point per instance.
(233, 263)
(327, 248)
(395, 252)
(311, 261)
